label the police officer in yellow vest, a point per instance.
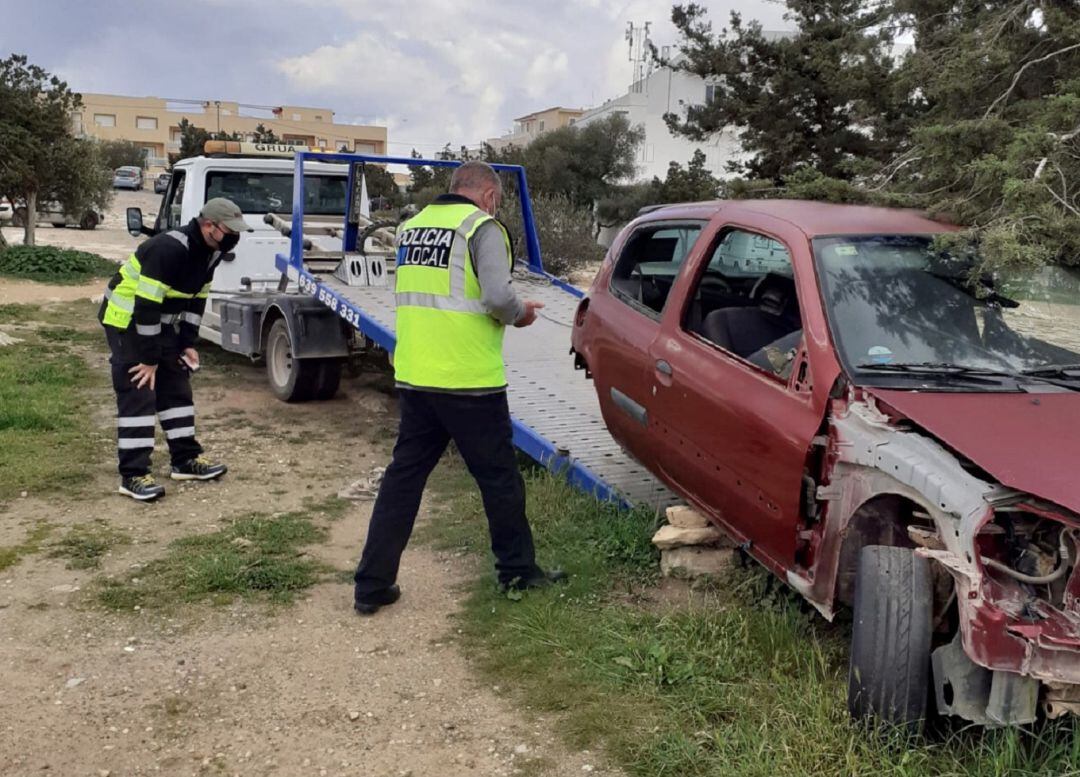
(454, 299)
(151, 313)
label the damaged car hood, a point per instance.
(1028, 442)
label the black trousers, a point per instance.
(170, 400)
(480, 427)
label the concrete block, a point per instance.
(674, 537)
(686, 517)
(696, 562)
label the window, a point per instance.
(541, 125)
(745, 302)
(76, 123)
(324, 195)
(296, 117)
(364, 148)
(174, 200)
(175, 135)
(650, 262)
(105, 119)
(318, 117)
(711, 93)
(145, 123)
(322, 142)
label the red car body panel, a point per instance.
(1030, 442)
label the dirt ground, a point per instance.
(247, 688)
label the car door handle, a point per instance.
(663, 367)
(633, 409)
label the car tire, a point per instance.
(291, 380)
(88, 221)
(329, 379)
(18, 217)
(889, 672)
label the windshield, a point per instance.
(324, 195)
(896, 300)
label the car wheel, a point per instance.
(291, 380)
(18, 217)
(889, 673)
(89, 221)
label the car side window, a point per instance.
(744, 301)
(649, 263)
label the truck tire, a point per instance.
(329, 379)
(889, 673)
(291, 380)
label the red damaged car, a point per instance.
(876, 422)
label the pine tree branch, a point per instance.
(1020, 72)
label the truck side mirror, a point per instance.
(135, 223)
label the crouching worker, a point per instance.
(151, 313)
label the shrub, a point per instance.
(566, 232)
(54, 265)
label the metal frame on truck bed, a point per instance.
(555, 414)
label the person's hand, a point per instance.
(531, 306)
(144, 374)
(192, 356)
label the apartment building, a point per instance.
(154, 123)
(529, 127)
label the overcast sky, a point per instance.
(433, 71)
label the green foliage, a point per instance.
(565, 230)
(823, 97)
(40, 160)
(381, 184)
(50, 264)
(120, 153)
(692, 183)
(263, 134)
(84, 545)
(193, 139)
(738, 679)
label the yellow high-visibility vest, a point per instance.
(445, 337)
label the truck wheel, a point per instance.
(291, 380)
(889, 673)
(329, 379)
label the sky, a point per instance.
(432, 71)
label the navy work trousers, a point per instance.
(480, 427)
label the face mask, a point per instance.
(228, 243)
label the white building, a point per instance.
(667, 91)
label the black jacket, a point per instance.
(180, 261)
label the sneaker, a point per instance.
(198, 469)
(141, 488)
(541, 579)
(372, 602)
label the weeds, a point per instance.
(254, 556)
(745, 681)
(85, 544)
(9, 556)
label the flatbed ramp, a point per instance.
(555, 411)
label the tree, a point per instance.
(193, 139)
(997, 147)
(822, 97)
(121, 153)
(264, 135)
(40, 160)
(584, 164)
(381, 183)
(690, 184)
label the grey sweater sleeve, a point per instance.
(492, 267)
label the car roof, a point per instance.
(815, 219)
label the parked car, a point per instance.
(161, 183)
(54, 213)
(128, 178)
(875, 421)
(6, 212)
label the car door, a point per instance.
(734, 411)
(624, 319)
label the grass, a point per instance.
(255, 555)
(85, 544)
(745, 681)
(10, 555)
(44, 406)
(49, 264)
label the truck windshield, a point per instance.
(324, 195)
(895, 301)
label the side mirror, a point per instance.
(228, 256)
(135, 223)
